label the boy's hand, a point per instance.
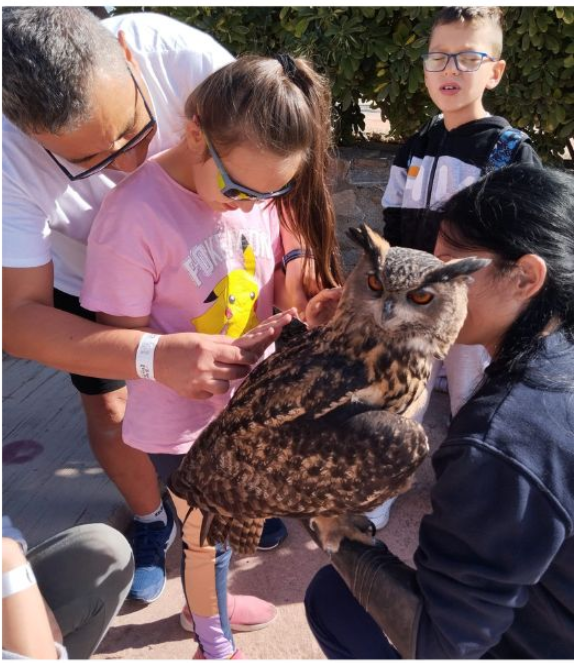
(321, 307)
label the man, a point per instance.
(84, 103)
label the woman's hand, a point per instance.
(321, 308)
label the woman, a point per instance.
(494, 568)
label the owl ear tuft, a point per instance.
(374, 245)
(456, 269)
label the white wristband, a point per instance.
(17, 580)
(145, 356)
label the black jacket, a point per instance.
(495, 563)
(432, 166)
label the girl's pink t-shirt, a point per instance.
(156, 249)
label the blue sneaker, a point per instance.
(150, 541)
(273, 534)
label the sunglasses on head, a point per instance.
(231, 189)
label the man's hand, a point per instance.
(201, 365)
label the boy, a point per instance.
(451, 151)
(455, 148)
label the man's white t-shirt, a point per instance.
(44, 215)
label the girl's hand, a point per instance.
(300, 285)
(259, 338)
(321, 307)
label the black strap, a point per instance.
(288, 64)
(505, 147)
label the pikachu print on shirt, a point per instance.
(233, 300)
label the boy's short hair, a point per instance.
(475, 15)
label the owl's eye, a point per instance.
(420, 297)
(374, 283)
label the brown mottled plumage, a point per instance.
(315, 431)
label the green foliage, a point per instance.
(373, 54)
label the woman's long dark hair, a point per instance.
(512, 212)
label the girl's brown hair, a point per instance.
(281, 106)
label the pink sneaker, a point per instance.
(199, 655)
(246, 613)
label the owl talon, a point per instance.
(372, 529)
(330, 530)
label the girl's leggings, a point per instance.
(204, 573)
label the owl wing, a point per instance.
(305, 376)
(350, 460)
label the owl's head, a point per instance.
(411, 295)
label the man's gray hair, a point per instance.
(50, 56)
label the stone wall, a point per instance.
(361, 175)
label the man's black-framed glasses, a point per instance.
(136, 140)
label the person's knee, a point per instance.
(105, 413)
(110, 554)
(319, 591)
(116, 543)
(94, 556)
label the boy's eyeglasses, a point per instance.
(136, 140)
(465, 61)
(231, 189)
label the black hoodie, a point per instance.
(431, 167)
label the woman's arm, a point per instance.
(478, 555)
(26, 627)
(298, 283)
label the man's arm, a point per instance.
(34, 329)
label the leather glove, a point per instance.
(385, 587)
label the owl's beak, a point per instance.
(388, 309)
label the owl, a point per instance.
(319, 430)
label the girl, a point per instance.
(494, 572)
(192, 242)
